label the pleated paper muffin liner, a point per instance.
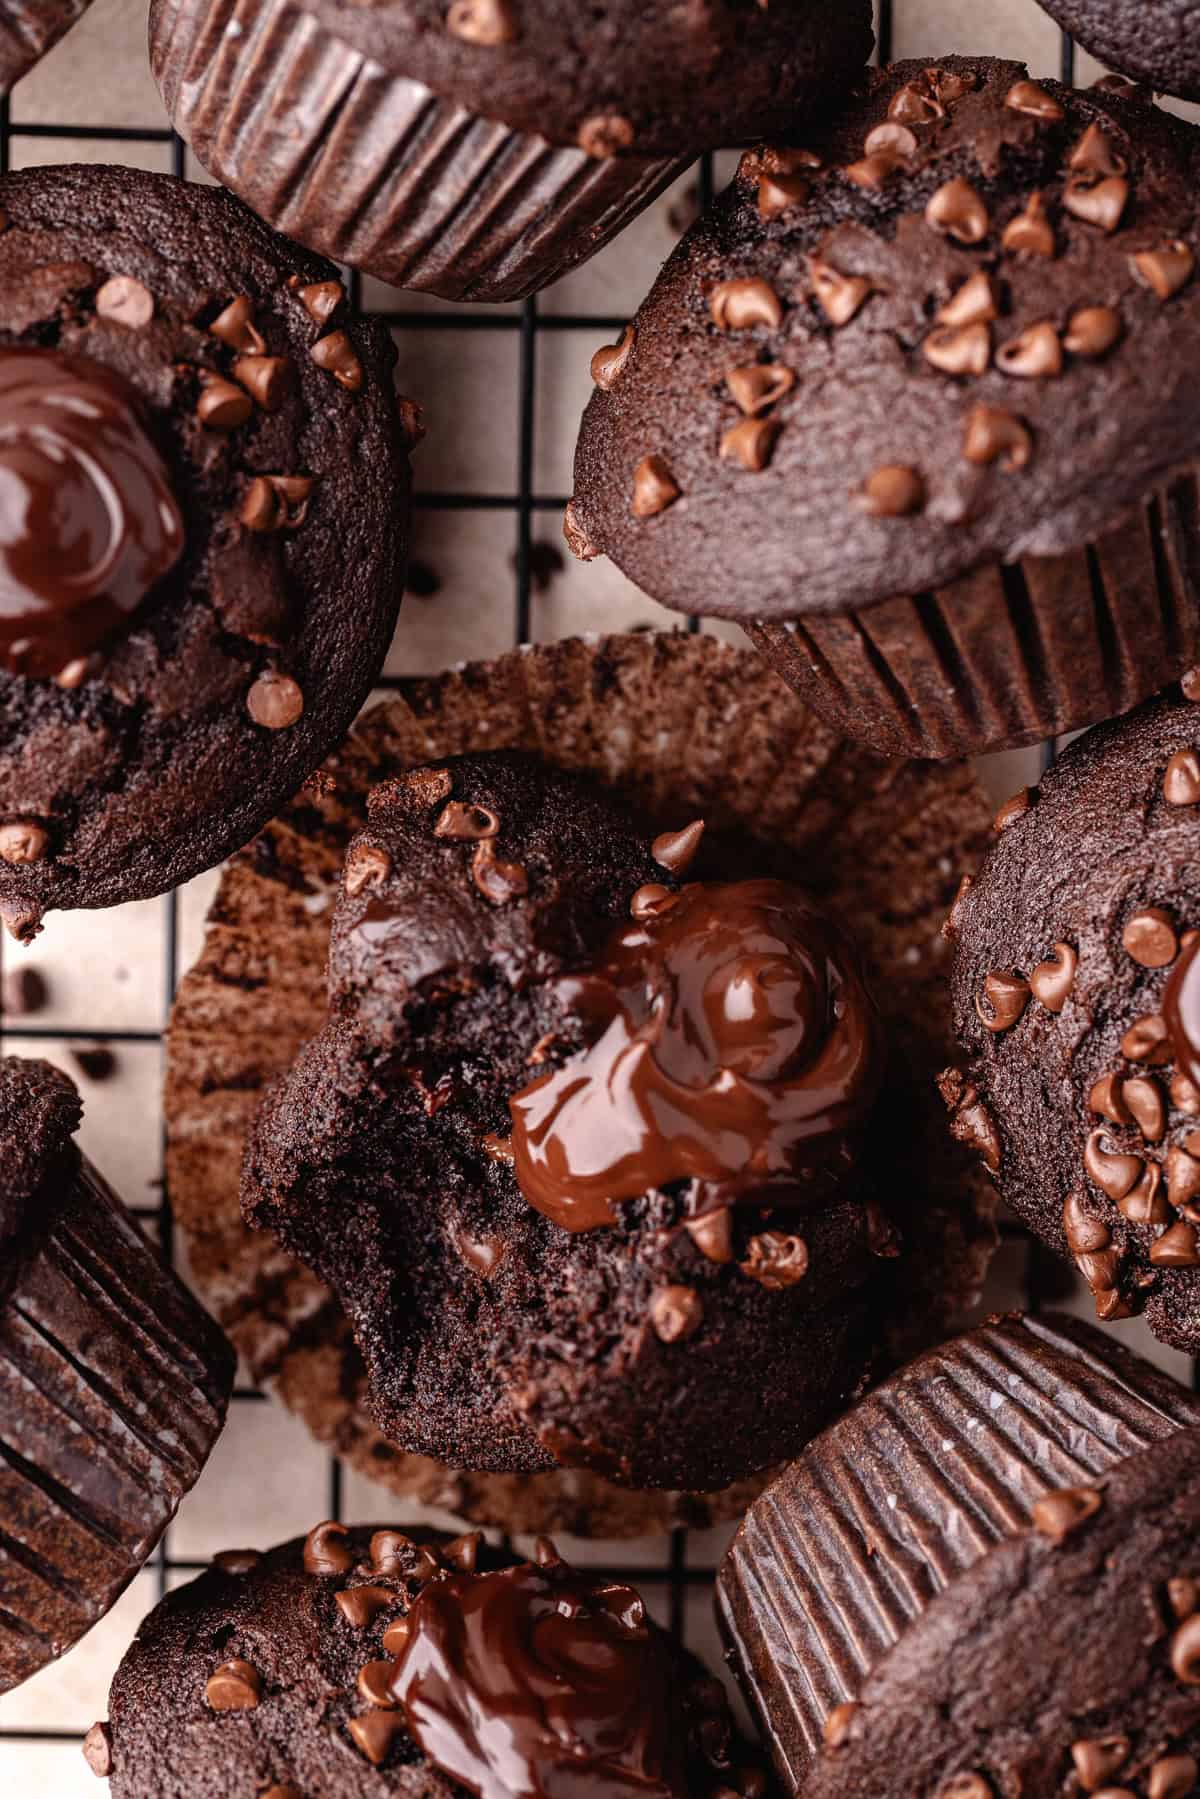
(376, 170)
(27, 30)
(850, 1547)
(1010, 655)
(116, 1385)
(682, 725)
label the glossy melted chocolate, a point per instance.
(88, 522)
(730, 1040)
(537, 1683)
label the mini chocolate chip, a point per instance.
(222, 406)
(360, 1606)
(1098, 1758)
(367, 867)
(609, 361)
(125, 301)
(484, 22)
(374, 1733)
(1106, 1101)
(577, 539)
(1172, 1776)
(776, 1260)
(713, 1235)
(976, 302)
(836, 1728)
(1033, 355)
(1165, 271)
(1029, 97)
(463, 1552)
(1099, 203)
(497, 881)
(326, 1549)
(1013, 809)
(1085, 1235)
(605, 134)
(1112, 1172)
(1183, 1176)
(737, 305)
(97, 1750)
(891, 492)
(276, 502)
(992, 435)
(1176, 1248)
(373, 1684)
(235, 327)
(1053, 981)
(1092, 331)
(840, 297)
(654, 487)
(676, 1313)
(677, 850)
(320, 299)
(1005, 996)
(750, 443)
(265, 378)
(465, 823)
(959, 349)
(336, 355)
(236, 1561)
(874, 171)
(756, 386)
(1183, 1596)
(1147, 1041)
(957, 211)
(1059, 1513)
(233, 1687)
(22, 841)
(1145, 1202)
(1030, 233)
(23, 992)
(1144, 1098)
(777, 194)
(1149, 937)
(1185, 1652)
(274, 701)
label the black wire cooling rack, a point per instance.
(675, 1575)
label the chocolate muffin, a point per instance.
(205, 497)
(912, 403)
(28, 28)
(113, 1381)
(482, 150)
(983, 1581)
(1154, 41)
(357, 1663)
(1079, 1016)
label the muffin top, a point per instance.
(39, 1113)
(357, 1663)
(1155, 41)
(619, 78)
(954, 327)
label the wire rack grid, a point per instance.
(674, 1572)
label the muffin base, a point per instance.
(1010, 655)
(376, 170)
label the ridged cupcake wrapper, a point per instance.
(115, 1388)
(27, 30)
(375, 170)
(1010, 655)
(836, 1561)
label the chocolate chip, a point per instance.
(675, 1313)
(912, 106)
(497, 881)
(22, 841)
(410, 416)
(713, 1235)
(1030, 233)
(756, 386)
(891, 492)
(651, 901)
(1013, 809)
(776, 1260)
(890, 139)
(654, 488)
(265, 378)
(326, 1549)
(373, 1684)
(1034, 355)
(610, 359)
(236, 1561)
(970, 1121)
(233, 1687)
(465, 823)
(336, 355)
(367, 866)
(737, 305)
(1094, 155)
(976, 302)
(235, 327)
(1110, 1306)
(222, 406)
(1092, 331)
(1149, 937)
(360, 1606)
(374, 1733)
(1085, 1235)
(874, 171)
(1183, 1176)
(605, 134)
(1183, 1596)
(750, 443)
(1112, 1172)
(1181, 781)
(97, 1750)
(1005, 996)
(959, 349)
(836, 1728)
(957, 211)
(777, 194)
(1097, 1759)
(125, 301)
(1100, 1268)
(1144, 1098)
(274, 701)
(995, 436)
(1185, 1652)
(1059, 1513)
(1172, 1776)
(463, 1552)
(1189, 685)
(1176, 1248)
(676, 850)
(23, 993)
(1099, 203)
(1105, 1099)
(577, 539)
(1029, 97)
(1185, 1095)
(393, 1553)
(1147, 1041)
(482, 21)
(1145, 1202)
(276, 502)
(1165, 271)
(840, 297)
(395, 1637)
(1053, 981)
(320, 299)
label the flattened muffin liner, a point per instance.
(376, 170)
(116, 1385)
(683, 725)
(1010, 655)
(848, 1549)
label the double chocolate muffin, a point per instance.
(1078, 1013)
(983, 1582)
(481, 150)
(113, 1381)
(28, 28)
(913, 403)
(1155, 41)
(203, 508)
(356, 1663)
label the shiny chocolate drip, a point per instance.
(537, 1683)
(88, 522)
(730, 1040)
(1181, 1009)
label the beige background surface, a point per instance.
(109, 971)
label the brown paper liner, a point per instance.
(1008, 656)
(375, 170)
(837, 1559)
(683, 725)
(116, 1385)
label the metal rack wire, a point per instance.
(678, 1573)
